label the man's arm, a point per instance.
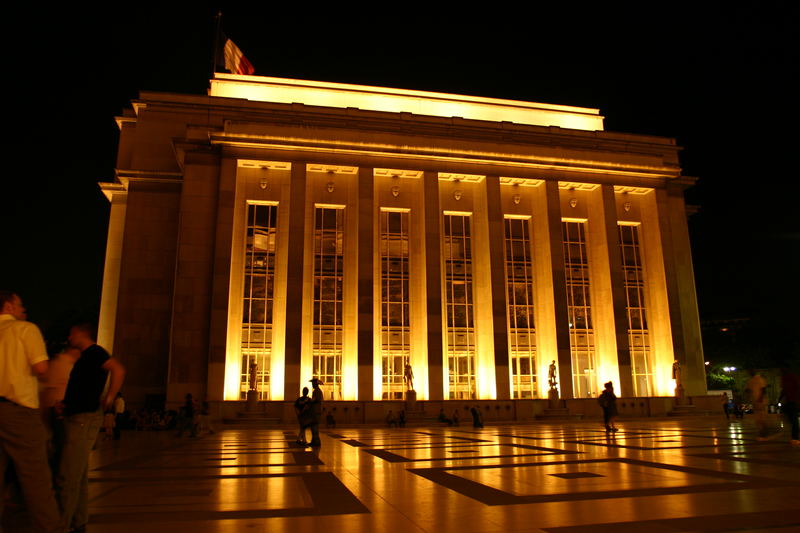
(40, 368)
(117, 372)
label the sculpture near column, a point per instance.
(253, 376)
(408, 377)
(676, 375)
(551, 376)
(552, 394)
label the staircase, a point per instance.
(558, 413)
(251, 419)
(688, 410)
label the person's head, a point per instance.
(82, 335)
(11, 304)
(305, 391)
(315, 383)
(609, 386)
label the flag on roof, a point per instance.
(235, 61)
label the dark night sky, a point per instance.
(718, 78)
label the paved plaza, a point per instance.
(698, 474)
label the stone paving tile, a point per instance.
(654, 475)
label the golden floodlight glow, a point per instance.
(232, 378)
(342, 95)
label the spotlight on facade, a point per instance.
(302, 296)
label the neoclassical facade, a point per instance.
(278, 229)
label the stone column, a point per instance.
(220, 299)
(559, 289)
(499, 293)
(433, 274)
(191, 308)
(619, 298)
(366, 230)
(294, 280)
(113, 262)
(681, 293)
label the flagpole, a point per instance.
(216, 44)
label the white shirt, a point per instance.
(21, 347)
(756, 385)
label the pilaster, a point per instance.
(682, 295)
(499, 293)
(618, 296)
(294, 280)
(433, 275)
(366, 334)
(108, 302)
(559, 282)
(191, 308)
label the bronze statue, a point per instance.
(408, 377)
(676, 373)
(253, 376)
(551, 376)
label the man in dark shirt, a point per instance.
(83, 407)
(316, 412)
(303, 410)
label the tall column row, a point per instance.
(481, 286)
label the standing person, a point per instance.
(205, 417)
(191, 419)
(757, 388)
(302, 409)
(477, 417)
(790, 394)
(119, 415)
(83, 408)
(22, 435)
(316, 412)
(725, 401)
(51, 394)
(608, 401)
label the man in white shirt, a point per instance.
(22, 435)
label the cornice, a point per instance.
(451, 154)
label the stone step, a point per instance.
(688, 410)
(250, 419)
(558, 413)
(252, 414)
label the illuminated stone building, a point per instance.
(341, 231)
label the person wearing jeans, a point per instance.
(83, 410)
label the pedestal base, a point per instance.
(411, 400)
(554, 402)
(252, 401)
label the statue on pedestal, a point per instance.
(408, 377)
(252, 389)
(551, 376)
(253, 376)
(676, 375)
(552, 380)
